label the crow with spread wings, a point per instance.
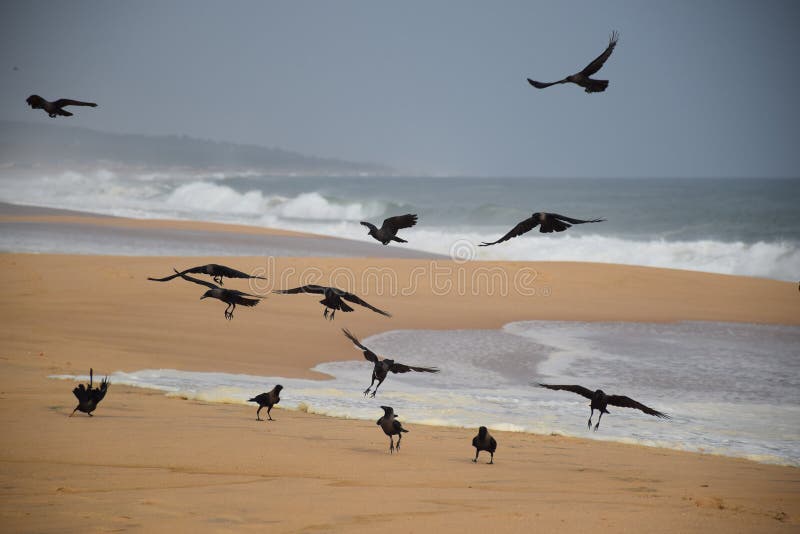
(388, 230)
(600, 401)
(334, 299)
(547, 223)
(383, 367)
(89, 397)
(215, 271)
(582, 78)
(231, 297)
(56, 108)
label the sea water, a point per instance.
(730, 389)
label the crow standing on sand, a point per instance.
(382, 367)
(547, 222)
(231, 297)
(268, 399)
(600, 401)
(89, 397)
(56, 108)
(582, 78)
(484, 442)
(334, 299)
(391, 427)
(388, 230)
(217, 272)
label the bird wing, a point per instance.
(356, 300)
(167, 278)
(368, 354)
(61, 102)
(302, 289)
(369, 225)
(401, 221)
(80, 393)
(525, 226)
(627, 402)
(402, 368)
(243, 294)
(574, 221)
(97, 394)
(540, 85)
(492, 444)
(228, 272)
(580, 390)
(197, 281)
(597, 64)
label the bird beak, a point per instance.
(201, 298)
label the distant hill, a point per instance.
(27, 145)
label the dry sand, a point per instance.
(150, 463)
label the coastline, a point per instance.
(149, 462)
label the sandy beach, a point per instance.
(151, 463)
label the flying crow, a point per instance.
(547, 222)
(388, 230)
(582, 78)
(334, 299)
(56, 108)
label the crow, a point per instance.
(391, 427)
(582, 78)
(217, 272)
(600, 401)
(231, 297)
(383, 367)
(89, 397)
(334, 299)
(268, 399)
(547, 222)
(56, 108)
(388, 230)
(484, 442)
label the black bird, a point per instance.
(582, 78)
(56, 108)
(89, 397)
(268, 399)
(600, 401)
(334, 299)
(484, 442)
(391, 427)
(217, 272)
(547, 222)
(388, 230)
(231, 297)
(382, 367)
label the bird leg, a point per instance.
(75, 410)
(228, 314)
(590, 418)
(399, 438)
(269, 409)
(374, 391)
(391, 445)
(475, 460)
(366, 391)
(325, 313)
(257, 411)
(491, 460)
(598, 422)
(218, 279)
(332, 314)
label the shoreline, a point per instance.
(148, 462)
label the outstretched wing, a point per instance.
(540, 85)
(197, 281)
(401, 368)
(168, 278)
(580, 390)
(97, 394)
(401, 221)
(61, 102)
(227, 272)
(368, 354)
(597, 64)
(302, 289)
(627, 402)
(356, 300)
(574, 221)
(525, 226)
(370, 226)
(81, 393)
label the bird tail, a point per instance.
(395, 238)
(403, 430)
(64, 113)
(345, 307)
(596, 86)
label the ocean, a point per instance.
(732, 226)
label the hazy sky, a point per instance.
(698, 88)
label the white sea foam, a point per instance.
(150, 196)
(730, 389)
